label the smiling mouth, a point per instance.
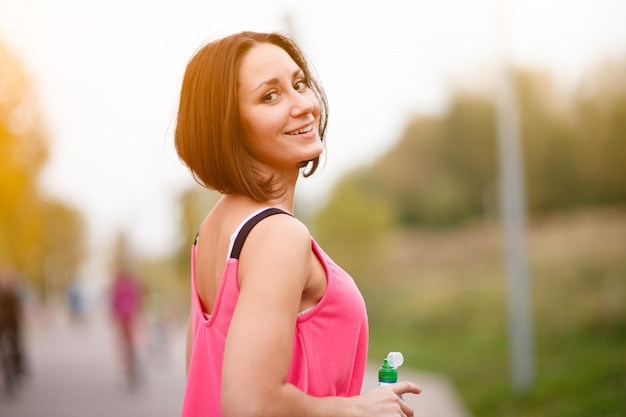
(301, 131)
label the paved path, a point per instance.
(75, 372)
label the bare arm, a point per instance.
(273, 273)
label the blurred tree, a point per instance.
(600, 134)
(23, 149)
(352, 227)
(547, 125)
(61, 246)
(195, 203)
(41, 237)
(442, 171)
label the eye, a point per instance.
(300, 85)
(269, 97)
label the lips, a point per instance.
(302, 130)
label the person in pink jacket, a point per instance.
(276, 327)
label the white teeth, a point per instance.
(303, 130)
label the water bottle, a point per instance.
(388, 372)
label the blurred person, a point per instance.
(126, 296)
(76, 302)
(276, 327)
(11, 318)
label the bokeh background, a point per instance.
(407, 200)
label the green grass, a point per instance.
(445, 308)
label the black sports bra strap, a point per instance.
(247, 227)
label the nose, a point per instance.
(303, 103)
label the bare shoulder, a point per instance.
(275, 262)
(280, 232)
(279, 245)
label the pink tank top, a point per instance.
(330, 344)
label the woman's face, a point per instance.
(279, 112)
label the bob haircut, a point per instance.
(208, 135)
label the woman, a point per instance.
(276, 328)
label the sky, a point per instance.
(108, 76)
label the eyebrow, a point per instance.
(276, 80)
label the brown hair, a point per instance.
(208, 134)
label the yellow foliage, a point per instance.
(41, 238)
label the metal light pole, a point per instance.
(512, 212)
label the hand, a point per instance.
(386, 402)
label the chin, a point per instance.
(317, 150)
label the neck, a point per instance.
(288, 184)
(286, 201)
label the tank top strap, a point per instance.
(248, 226)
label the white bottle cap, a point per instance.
(395, 359)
